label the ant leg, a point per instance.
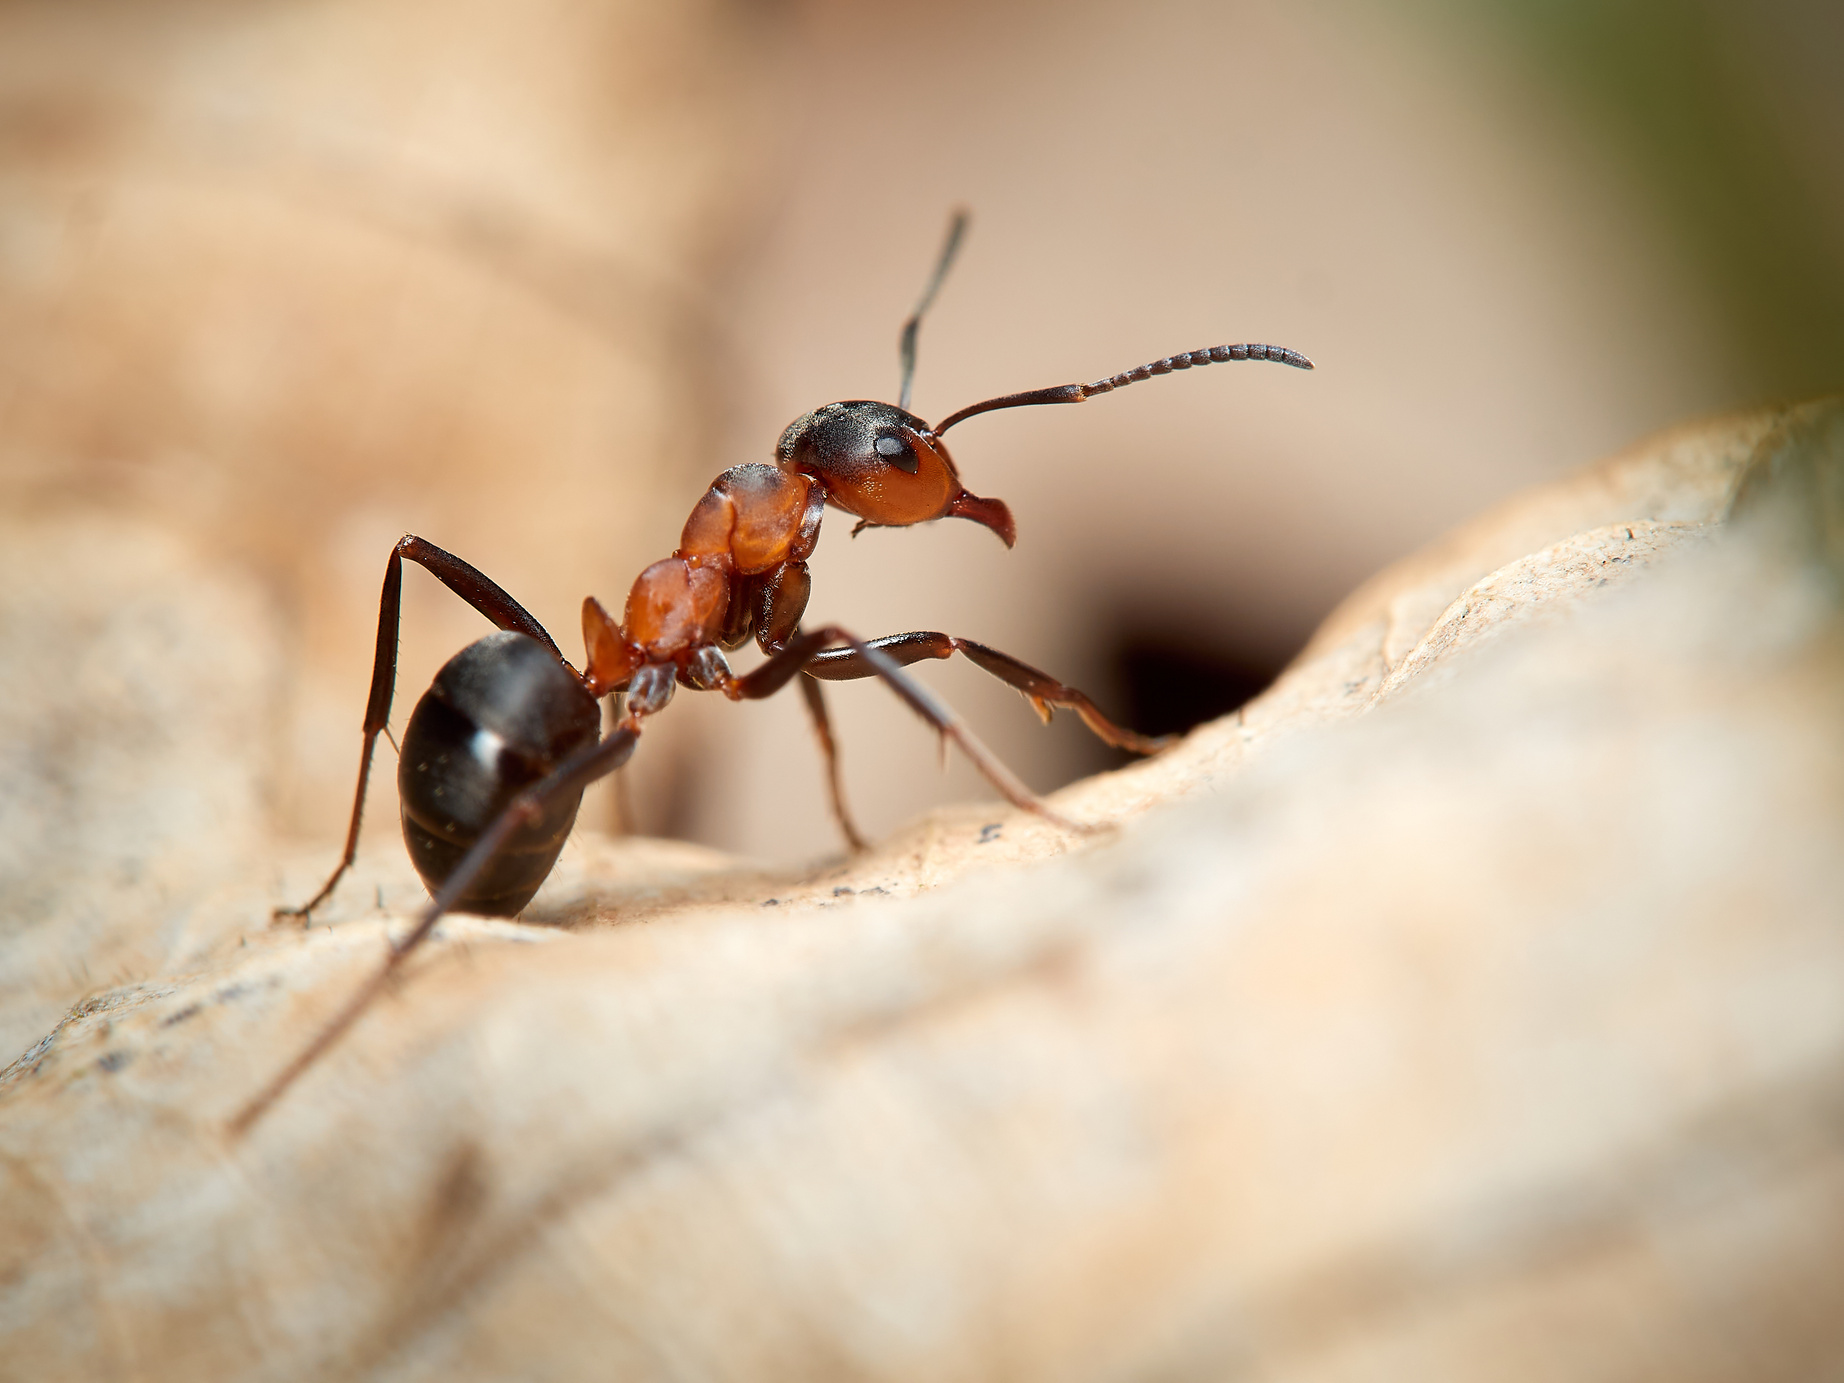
(781, 599)
(774, 674)
(835, 785)
(1039, 688)
(477, 590)
(572, 775)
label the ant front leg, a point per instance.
(774, 674)
(1043, 691)
(477, 590)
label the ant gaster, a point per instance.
(500, 748)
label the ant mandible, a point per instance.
(498, 751)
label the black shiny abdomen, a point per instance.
(500, 715)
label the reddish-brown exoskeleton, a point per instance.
(498, 752)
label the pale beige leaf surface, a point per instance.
(1471, 1005)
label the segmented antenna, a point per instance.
(1076, 393)
(906, 346)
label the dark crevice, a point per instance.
(1171, 683)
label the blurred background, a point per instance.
(286, 280)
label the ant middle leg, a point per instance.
(778, 599)
(479, 591)
(1043, 691)
(829, 751)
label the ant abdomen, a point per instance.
(500, 715)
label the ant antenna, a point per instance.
(1076, 393)
(906, 349)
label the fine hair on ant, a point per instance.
(498, 751)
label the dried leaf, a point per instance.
(1472, 1005)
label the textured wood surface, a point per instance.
(1470, 1005)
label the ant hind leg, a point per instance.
(479, 591)
(574, 774)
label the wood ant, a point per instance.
(498, 751)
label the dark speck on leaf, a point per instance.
(188, 1011)
(113, 1061)
(989, 833)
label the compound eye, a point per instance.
(897, 450)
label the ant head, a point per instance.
(884, 465)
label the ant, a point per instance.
(498, 751)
